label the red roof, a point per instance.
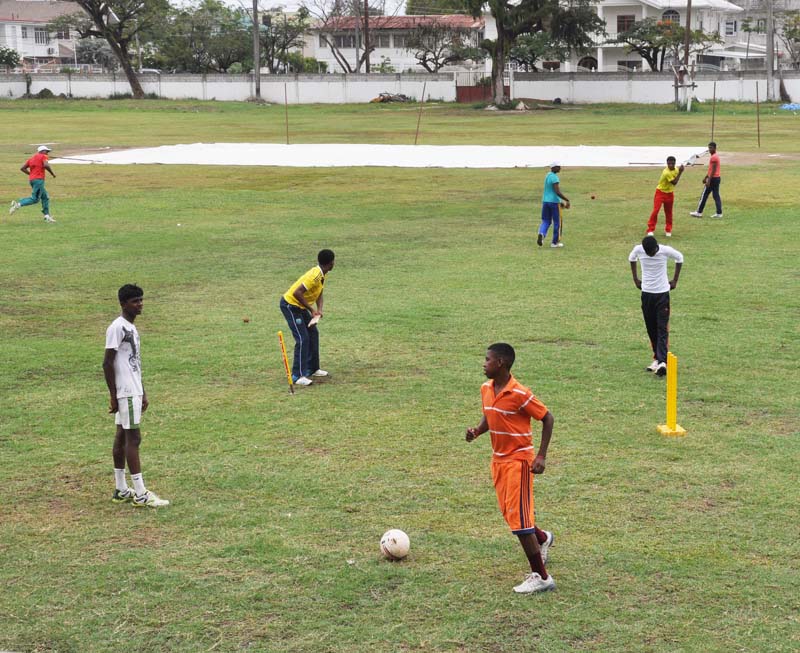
(41, 11)
(460, 21)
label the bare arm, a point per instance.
(547, 431)
(634, 272)
(674, 281)
(111, 378)
(319, 303)
(474, 432)
(557, 189)
(25, 169)
(50, 170)
(675, 181)
(300, 297)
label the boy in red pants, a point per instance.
(665, 195)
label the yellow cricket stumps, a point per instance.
(672, 427)
(286, 362)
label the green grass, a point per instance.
(271, 543)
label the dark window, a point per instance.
(624, 23)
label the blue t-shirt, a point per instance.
(549, 192)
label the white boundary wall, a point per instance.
(637, 88)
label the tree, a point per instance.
(654, 39)
(571, 22)
(789, 32)
(340, 24)
(435, 44)
(96, 51)
(281, 33)
(8, 57)
(529, 49)
(435, 7)
(118, 22)
(209, 36)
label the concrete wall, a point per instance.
(300, 89)
(645, 88)
(640, 88)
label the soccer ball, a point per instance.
(395, 544)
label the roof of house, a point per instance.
(459, 21)
(715, 5)
(34, 11)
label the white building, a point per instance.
(24, 28)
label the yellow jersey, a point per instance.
(313, 281)
(665, 184)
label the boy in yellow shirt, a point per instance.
(301, 304)
(665, 195)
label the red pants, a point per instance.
(661, 198)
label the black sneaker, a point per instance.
(539, 240)
(123, 497)
(661, 370)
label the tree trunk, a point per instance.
(498, 67)
(125, 61)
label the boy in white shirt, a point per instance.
(655, 286)
(122, 367)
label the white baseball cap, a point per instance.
(43, 148)
(555, 164)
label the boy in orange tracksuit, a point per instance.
(508, 408)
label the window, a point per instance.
(671, 16)
(624, 23)
(322, 42)
(400, 41)
(63, 34)
(25, 32)
(41, 36)
(343, 41)
(761, 25)
(730, 27)
(381, 40)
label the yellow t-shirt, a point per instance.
(665, 184)
(313, 281)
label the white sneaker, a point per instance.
(695, 214)
(668, 234)
(47, 218)
(303, 381)
(320, 373)
(533, 583)
(653, 366)
(649, 233)
(150, 499)
(556, 244)
(717, 215)
(544, 547)
(14, 206)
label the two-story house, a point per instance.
(24, 28)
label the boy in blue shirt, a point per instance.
(551, 206)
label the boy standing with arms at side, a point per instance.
(122, 367)
(655, 286)
(711, 184)
(508, 408)
(35, 168)
(665, 195)
(551, 206)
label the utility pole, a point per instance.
(256, 51)
(366, 36)
(685, 79)
(770, 51)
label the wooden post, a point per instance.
(286, 110)
(758, 118)
(713, 110)
(419, 116)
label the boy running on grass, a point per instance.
(508, 408)
(122, 366)
(35, 168)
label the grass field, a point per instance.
(278, 502)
